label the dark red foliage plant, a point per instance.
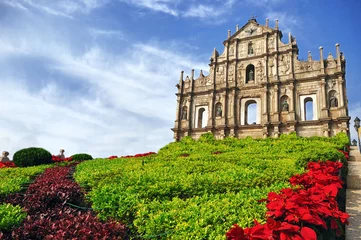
(56, 210)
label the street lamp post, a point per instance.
(357, 126)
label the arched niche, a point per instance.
(218, 109)
(284, 103)
(250, 73)
(332, 99)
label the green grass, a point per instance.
(202, 195)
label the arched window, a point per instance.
(308, 109)
(284, 103)
(250, 73)
(201, 113)
(250, 112)
(184, 113)
(219, 109)
(332, 99)
(250, 48)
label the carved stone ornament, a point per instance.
(260, 73)
(231, 73)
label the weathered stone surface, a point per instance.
(256, 67)
(353, 208)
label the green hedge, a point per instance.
(32, 157)
(81, 157)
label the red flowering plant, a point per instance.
(7, 165)
(299, 212)
(112, 157)
(59, 159)
(138, 155)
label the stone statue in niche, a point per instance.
(184, 114)
(219, 111)
(333, 101)
(285, 106)
(251, 75)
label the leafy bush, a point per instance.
(12, 179)
(201, 195)
(10, 216)
(81, 157)
(32, 157)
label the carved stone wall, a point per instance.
(257, 67)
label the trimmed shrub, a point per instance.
(81, 157)
(32, 157)
(10, 216)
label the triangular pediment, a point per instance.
(251, 28)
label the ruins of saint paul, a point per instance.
(257, 68)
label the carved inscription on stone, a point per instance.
(220, 74)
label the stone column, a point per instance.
(292, 102)
(190, 108)
(276, 103)
(324, 111)
(264, 119)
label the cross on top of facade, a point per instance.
(253, 17)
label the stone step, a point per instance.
(354, 175)
(353, 208)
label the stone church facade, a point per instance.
(257, 68)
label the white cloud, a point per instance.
(128, 105)
(165, 6)
(105, 33)
(203, 11)
(14, 4)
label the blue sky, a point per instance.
(98, 76)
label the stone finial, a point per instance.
(289, 38)
(181, 76)
(237, 27)
(276, 24)
(229, 33)
(338, 55)
(201, 74)
(309, 56)
(267, 20)
(321, 57)
(4, 157)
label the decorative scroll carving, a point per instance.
(260, 72)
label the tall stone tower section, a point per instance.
(257, 69)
